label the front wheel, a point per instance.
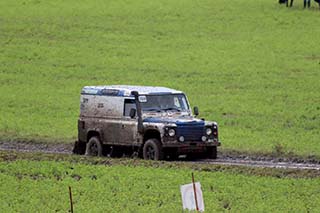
(94, 147)
(152, 150)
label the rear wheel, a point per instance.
(94, 147)
(152, 150)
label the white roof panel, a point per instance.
(125, 90)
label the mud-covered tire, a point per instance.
(94, 147)
(212, 152)
(152, 150)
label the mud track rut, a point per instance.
(222, 159)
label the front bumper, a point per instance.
(194, 144)
(189, 147)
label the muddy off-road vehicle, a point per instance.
(152, 122)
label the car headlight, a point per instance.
(208, 131)
(171, 132)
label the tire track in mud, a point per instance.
(36, 147)
(32, 147)
(262, 164)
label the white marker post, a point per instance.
(192, 198)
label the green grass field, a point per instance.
(39, 183)
(253, 66)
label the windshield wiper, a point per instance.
(172, 108)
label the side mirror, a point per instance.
(196, 111)
(133, 112)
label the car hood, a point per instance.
(181, 121)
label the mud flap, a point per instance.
(79, 148)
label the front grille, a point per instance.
(191, 132)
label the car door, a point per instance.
(129, 126)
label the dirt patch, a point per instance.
(277, 157)
(30, 146)
(262, 164)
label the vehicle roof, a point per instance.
(125, 90)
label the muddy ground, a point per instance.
(224, 157)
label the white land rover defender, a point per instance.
(153, 122)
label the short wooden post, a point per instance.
(71, 202)
(195, 193)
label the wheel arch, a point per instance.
(94, 133)
(151, 133)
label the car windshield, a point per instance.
(158, 103)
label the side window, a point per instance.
(128, 105)
(176, 102)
